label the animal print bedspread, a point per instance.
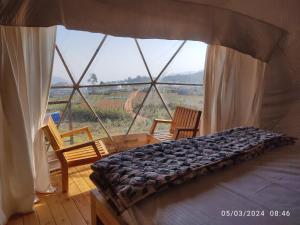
(128, 177)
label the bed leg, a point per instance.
(101, 212)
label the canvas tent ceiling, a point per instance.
(143, 18)
(254, 27)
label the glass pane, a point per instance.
(79, 115)
(153, 108)
(116, 105)
(158, 52)
(118, 61)
(77, 48)
(188, 65)
(59, 94)
(58, 99)
(182, 95)
(59, 73)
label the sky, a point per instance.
(119, 58)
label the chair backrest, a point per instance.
(52, 133)
(185, 118)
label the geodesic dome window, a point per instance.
(118, 85)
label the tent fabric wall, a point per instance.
(233, 90)
(281, 102)
(26, 66)
(169, 19)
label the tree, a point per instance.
(93, 78)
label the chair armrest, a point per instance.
(78, 131)
(162, 121)
(155, 122)
(182, 129)
(77, 146)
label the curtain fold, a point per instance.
(26, 67)
(233, 90)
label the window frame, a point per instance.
(76, 86)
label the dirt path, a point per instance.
(128, 107)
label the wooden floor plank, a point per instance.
(79, 181)
(81, 200)
(59, 214)
(72, 208)
(31, 219)
(67, 202)
(43, 213)
(85, 172)
(16, 220)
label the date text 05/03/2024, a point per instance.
(255, 213)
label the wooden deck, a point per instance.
(72, 208)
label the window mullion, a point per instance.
(180, 84)
(98, 118)
(92, 59)
(170, 60)
(144, 60)
(141, 106)
(163, 101)
(113, 85)
(66, 107)
(65, 65)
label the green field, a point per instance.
(117, 107)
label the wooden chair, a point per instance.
(72, 155)
(185, 123)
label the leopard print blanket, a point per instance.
(128, 177)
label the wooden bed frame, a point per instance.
(101, 212)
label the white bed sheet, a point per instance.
(267, 183)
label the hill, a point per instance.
(192, 78)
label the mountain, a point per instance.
(191, 78)
(58, 80)
(188, 77)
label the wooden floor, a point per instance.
(62, 209)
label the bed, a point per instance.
(261, 191)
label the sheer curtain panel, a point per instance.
(233, 90)
(26, 66)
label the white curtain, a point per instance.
(233, 90)
(26, 66)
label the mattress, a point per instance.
(128, 177)
(263, 191)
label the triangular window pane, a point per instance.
(116, 105)
(188, 65)
(79, 115)
(182, 95)
(158, 52)
(153, 108)
(77, 48)
(118, 61)
(60, 76)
